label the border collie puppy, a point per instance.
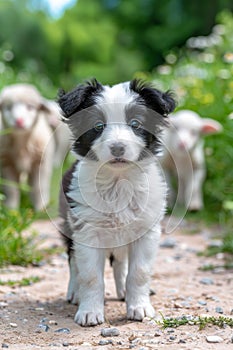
(113, 198)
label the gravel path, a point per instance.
(38, 317)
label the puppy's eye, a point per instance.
(135, 124)
(99, 126)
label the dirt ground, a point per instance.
(38, 316)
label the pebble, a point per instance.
(232, 338)
(214, 339)
(13, 325)
(53, 322)
(157, 334)
(219, 310)
(202, 302)
(170, 330)
(5, 346)
(44, 327)
(62, 330)
(110, 332)
(65, 343)
(168, 243)
(3, 304)
(172, 337)
(132, 337)
(105, 342)
(207, 281)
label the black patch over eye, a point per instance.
(99, 126)
(135, 124)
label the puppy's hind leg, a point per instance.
(72, 293)
(120, 268)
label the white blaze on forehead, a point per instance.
(113, 101)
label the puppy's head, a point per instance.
(19, 106)
(187, 127)
(116, 125)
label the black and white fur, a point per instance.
(113, 197)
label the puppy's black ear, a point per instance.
(161, 102)
(83, 96)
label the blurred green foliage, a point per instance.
(16, 248)
(200, 75)
(115, 40)
(108, 39)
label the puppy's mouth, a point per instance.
(119, 161)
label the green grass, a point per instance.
(24, 282)
(211, 267)
(226, 247)
(202, 322)
(16, 248)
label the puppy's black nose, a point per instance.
(117, 149)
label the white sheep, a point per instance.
(183, 156)
(30, 136)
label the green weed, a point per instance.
(202, 322)
(16, 248)
(21, 283)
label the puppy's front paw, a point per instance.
(138, 312)
(89, 318)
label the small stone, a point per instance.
(178, 305)
(172, 337)
(62, 330)
(232, 338)
(181, 341)
(3, 304)
(5, 346)
(157, 334)
(44, 327)
(170, 330)
(202, 302)
(53, 322)
(65, 343)
(105, 342)
(168, 243)
(207, 281)
(132, 337)
(110, 332)
(13, 325)
(219, 310)
(214, 339)
(55, 344)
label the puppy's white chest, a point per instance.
(111, 211)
